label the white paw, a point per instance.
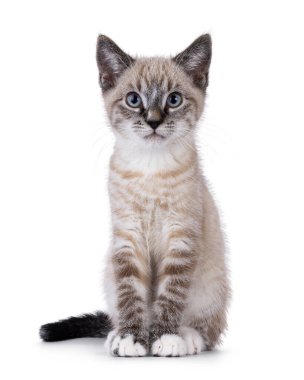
(123, 346)
(109, 340)
(169, 345)
(194, 341)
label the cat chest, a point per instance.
(149, 207)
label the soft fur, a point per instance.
(166, 277)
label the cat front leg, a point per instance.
(131, 336)
(174, 278)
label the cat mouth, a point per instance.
(154, 136)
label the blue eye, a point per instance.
(133, 100)
(174, 100)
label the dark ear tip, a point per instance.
(102, 38)
(205, 38)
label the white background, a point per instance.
(54, 151)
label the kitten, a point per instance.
(166, 278)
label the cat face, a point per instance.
(154, 101)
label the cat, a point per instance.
(166, 279)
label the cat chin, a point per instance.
(155, 142)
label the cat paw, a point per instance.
(194, 342)
(127, 345)
(169, 345)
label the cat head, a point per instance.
(154, 101)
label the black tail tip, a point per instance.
(48, 334)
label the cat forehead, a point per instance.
(146, 74)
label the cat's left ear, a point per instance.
(111, 62)
(195, 60)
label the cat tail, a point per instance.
(97, 325)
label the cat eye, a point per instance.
(133, 100)
(174, 100)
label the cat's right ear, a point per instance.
(111, 62)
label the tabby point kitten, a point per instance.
(166, 278)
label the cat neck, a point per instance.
(151, 159)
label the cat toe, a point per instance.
(117, 345)
(169, 345)
(194, 341)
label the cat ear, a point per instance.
(195, 60)
(111, 61)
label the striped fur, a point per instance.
(166, 277)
